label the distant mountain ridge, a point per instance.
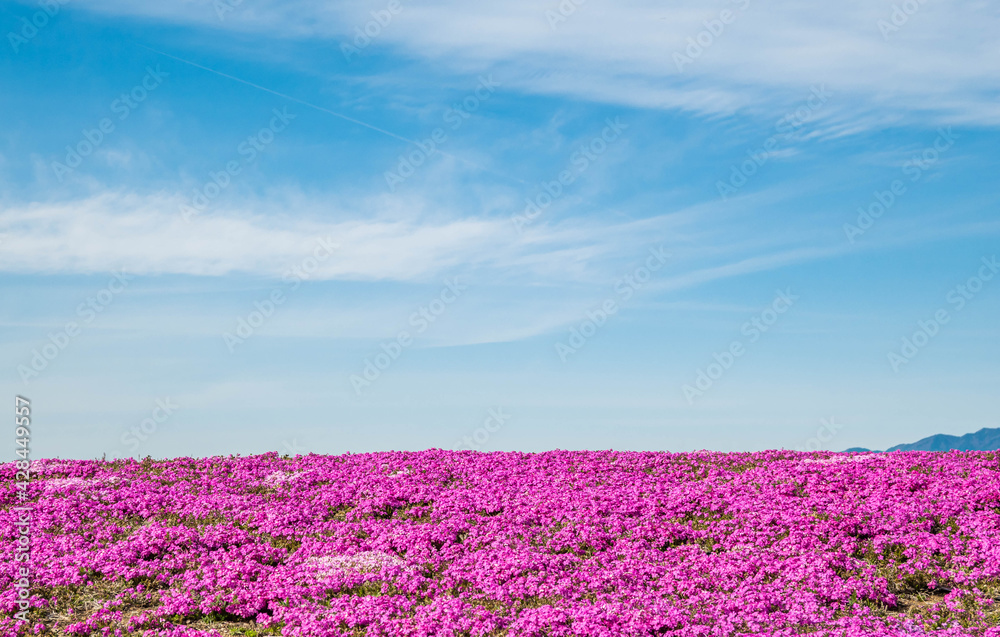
(985, 439)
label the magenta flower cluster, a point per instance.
(444, 543)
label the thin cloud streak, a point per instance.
(326, 110)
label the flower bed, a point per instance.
(559, 543)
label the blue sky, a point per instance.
(512, 225)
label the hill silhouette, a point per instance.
(986, 439)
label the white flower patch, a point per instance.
(364, 562)
(281, 477)
(53, 466)
(60, 483)
(843, 459)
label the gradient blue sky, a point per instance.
(214, 79)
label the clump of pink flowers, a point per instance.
(595, 544)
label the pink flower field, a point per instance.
(463, 543)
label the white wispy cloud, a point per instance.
(378, 239)
(569, 264)
(942, 63)
(390, 239)
(148, 235)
